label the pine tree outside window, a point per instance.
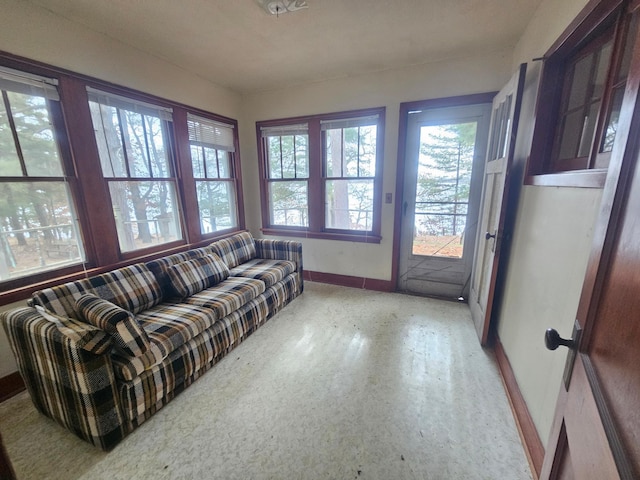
(134, 145)
(39, 230)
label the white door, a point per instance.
(445, 153)
(506, 108)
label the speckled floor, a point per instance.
(341, 384)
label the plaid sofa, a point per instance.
(101, 355)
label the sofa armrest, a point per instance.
(270, 249)
(74, 386)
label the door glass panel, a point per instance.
(442, 189)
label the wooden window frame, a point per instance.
(587, 27)
(89, 189)
(317, 178)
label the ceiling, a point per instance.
(236, 44)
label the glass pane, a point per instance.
(197, 161)
(302, 156)
(106, 126)
(571, 134)
(288, 156)
(211, 161)
(333, 152)
(442, 189)
(580, 82)
(587, 131)
(146, 213)
(350, 152)
(439, 235)
(612, 121)
(33, 124)
(289, 203)
(144, 139)
(38, 229)
(275, 165)
(216, 204)
(9, 161)
(224, 164)
(368, 137)
(601, 70)
(349, 204)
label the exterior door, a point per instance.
(596, 430)
(502, 134)
(445, 153)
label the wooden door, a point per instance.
(445, 152)
(502, 134)
(596, 430)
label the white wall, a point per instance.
(550, 249)
(35, 33)
(389, 88)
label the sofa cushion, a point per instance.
(133, 288)
(85, 336)
(236, 249)
(227, 296)
(160, 267)
(195, 275)
(268, 271)
(127, 334)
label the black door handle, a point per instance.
(487, 235)
(553, 340)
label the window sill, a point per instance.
(577, 178)
(345, 237)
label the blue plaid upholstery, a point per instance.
(236, 249)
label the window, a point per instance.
(95, 176)
(212, 150)
(321, 175)
(582, 90)
(288, 175)
(39, 229)
(134, 145)
(349, 165)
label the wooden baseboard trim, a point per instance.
(11, 385)
(349, 281)
(528, 433)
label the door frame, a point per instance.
(405, 108)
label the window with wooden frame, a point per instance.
(135, 148)
(39, 230)
(212, 147)
(287, 175)
(321, 175)
(581, 95)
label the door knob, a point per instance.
(487, 235)
(553, 340)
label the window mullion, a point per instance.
(316, 185)
(14, 132)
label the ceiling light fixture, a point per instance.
(278, 7)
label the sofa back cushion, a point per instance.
(236, 249)
(195, 275)
(160, 267)
(133, 288)
(127, 334)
